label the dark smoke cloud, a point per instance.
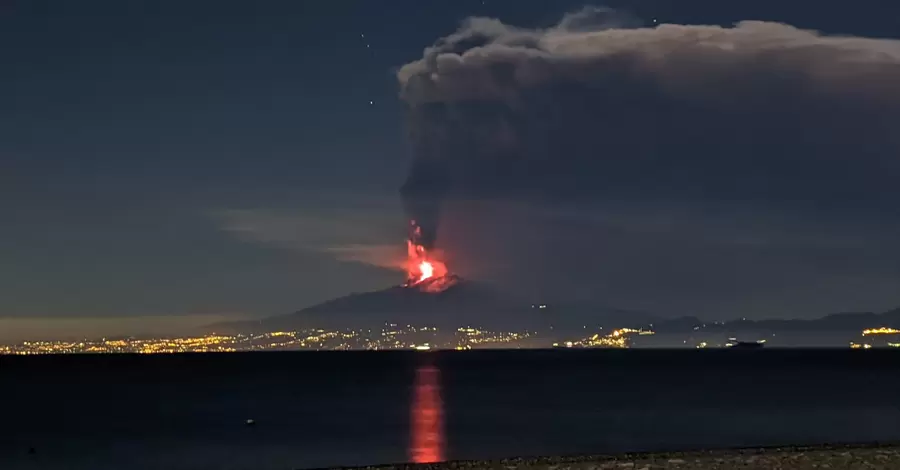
(595, 109)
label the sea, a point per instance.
(295, 410)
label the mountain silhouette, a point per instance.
(461, 303)
(453, 302)
(847, 321)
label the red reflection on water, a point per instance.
(427, 426)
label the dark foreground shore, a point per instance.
(874, 457)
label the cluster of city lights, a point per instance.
(615, 339)
(391, 336)
(880, 331)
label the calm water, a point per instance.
(320, 409)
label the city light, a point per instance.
(392, 336)
(880, 331)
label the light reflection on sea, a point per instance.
(427, 417)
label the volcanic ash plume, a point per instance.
(734, 121)
(595, 108)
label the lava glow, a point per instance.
(427, 270)
(422, 267)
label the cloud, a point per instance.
(371, 238)
(784, 132)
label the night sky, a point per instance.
(165, 164)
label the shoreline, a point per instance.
(876, 456)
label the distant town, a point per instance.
(409, 337)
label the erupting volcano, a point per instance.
(431, 296)
(424, 269)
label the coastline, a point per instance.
(875, 456)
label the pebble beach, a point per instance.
(874, 457)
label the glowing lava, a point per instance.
(427, 270)
(423, 268)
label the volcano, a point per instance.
(446, 302)
(434, 297)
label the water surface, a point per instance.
(315, 409)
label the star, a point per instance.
(371, 103)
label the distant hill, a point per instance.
(463, 303)
(851, 321)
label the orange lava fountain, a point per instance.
(421, 265)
